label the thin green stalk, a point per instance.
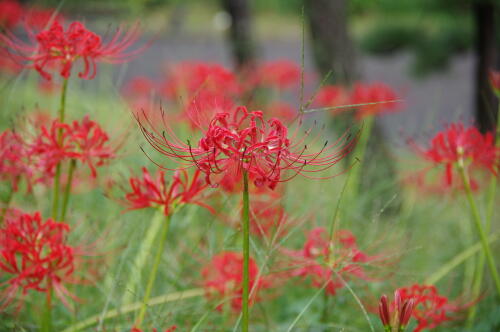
(246, 253)
(154, 271)
(46, 321)
(67, 190)
(6, 204)
(57, 177)
(359, 153)
(479, 227)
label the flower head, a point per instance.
(58, 48)
(222, 278)
(84, 141)
(396, 315)
(35, 256)
(457, 144)
(324, 265)
(383, 97)
(244, 141)
(430, 308)
(151, 191)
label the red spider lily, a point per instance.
(11, 13)
(279, 74)
(84, 141)
(35, 256)
(330, 96)
(201, 109)
(170, 329)
(395, 316)
(15, 162)
(430, 309)
(323, 264)
(61, 49)
(384, 97)
(495, 81)
(188, 78)
(244, 141)
(156, 192)
(223, 276)
(459, 144)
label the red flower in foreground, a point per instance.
(222, 279)
(170, 329)
(459, 144)
(156, 192)
(14, 159)
(430, 308)
(242, 140)
(84, 141)
(323, 265)
(382, 95)
(396, 315)
(11, 12)
(35, 256)
(61, 49)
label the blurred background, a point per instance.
(436, 53)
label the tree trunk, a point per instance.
(332, 47)
(486, 57)
(240, 32)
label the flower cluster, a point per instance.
(328, 263)
(243, 141)
(35, 255)
(460, 145)
(151, 191)
(379, 97)
(430, 308)
(223, 276)
(58, 48)
(84, 141)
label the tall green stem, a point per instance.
(67, 190)
(154, 271)
(62, 109)
(246, 253)
(46, 321)
(479, 226)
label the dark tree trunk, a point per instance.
(486, 57)
(332, 47)
(240, 32)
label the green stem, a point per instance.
(6, 204)
(67, 190)
(479, 227)
(62, 108)
(152, 276)
(46, 323)
(359, 153)
(246, 253)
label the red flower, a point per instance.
(59, 48)
(279, 74)
(188, 78)
(243, 140)
(395, 316)
(456, 144)
(35, 256)
(330, 96)
(382, 95)
(11, 12)
(317, 261)
(170, 329)
(14, 159)
(430, 308)
(495, 81)
(223, 279)
(155, 192)
(84, 141)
